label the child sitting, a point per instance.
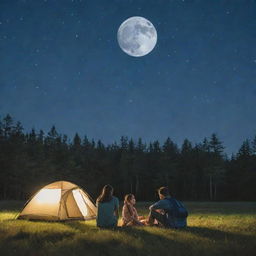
(129, 213)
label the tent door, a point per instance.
(71, 206)
(80, 202)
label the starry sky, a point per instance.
(60, 64)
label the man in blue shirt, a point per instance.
(163, 211)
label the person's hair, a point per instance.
(106, 194)
(128, 197)
(164, 191)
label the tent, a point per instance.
(59, 201)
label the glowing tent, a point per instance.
(59, 201)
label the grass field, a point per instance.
(214, 229)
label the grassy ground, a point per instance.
(214, 229)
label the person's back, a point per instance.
(106, 213)
(164, 211)
(173, 219)
(107, 208)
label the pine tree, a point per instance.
(215, 145)
(124, 143)
(215, 169)
(186, 147)
(156, 147)
(7, 126)
(86, 144)
(253, 145)
(245, 150)
(170, 147)
(77, 142)
(131, 146)
(100, 146)
(206, 145)
(141, 147)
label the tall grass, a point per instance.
(214, 229)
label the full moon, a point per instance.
(137, 36)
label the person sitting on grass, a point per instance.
(107, 208)
(168, 212)
(129, 213)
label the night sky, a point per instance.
(60, 64)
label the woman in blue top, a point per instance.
(107, 208)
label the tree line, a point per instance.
(199, 171)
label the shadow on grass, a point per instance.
(86, 239)
(162, 241)
(218, 235)
(125, 241)
(210, 233)
(214, 235)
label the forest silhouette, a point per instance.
(200, 171)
